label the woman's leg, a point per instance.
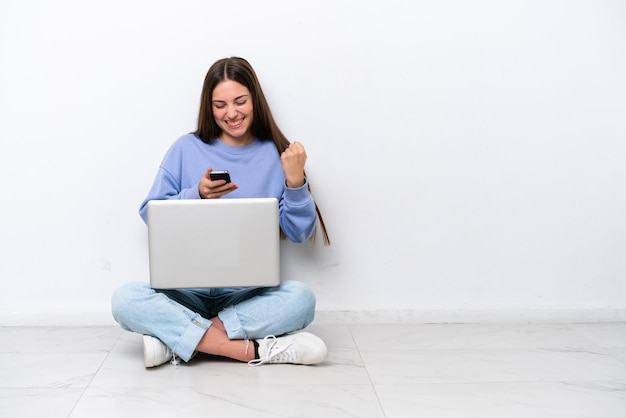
(276, 311)
(216, 342)
(139, 308)
(279, 310)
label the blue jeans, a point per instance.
(179, 318)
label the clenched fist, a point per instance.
(293, 160)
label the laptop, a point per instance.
(213, 243)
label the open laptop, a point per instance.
(213, 243)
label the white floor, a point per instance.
(440, 370)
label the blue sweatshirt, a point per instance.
(255, 168)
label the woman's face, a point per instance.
(233, 113)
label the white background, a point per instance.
(468, 156)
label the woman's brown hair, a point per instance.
(263, 125)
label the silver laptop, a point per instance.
(213, 243)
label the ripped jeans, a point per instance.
(180, 317)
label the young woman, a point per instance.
(236, 131)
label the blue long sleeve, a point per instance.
(256, 169)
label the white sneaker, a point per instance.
(155, 352)
(300, 348)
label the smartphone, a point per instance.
(220, 175)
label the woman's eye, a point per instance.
(240, 103)
(219, 106)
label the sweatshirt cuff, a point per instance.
(299, 195)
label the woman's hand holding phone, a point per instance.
(215, 184)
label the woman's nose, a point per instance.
(231, 111)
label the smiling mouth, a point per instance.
(234, 123)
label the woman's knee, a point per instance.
(303, 300)
(126, 297)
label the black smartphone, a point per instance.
(220, 175)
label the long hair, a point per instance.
(263, 125)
